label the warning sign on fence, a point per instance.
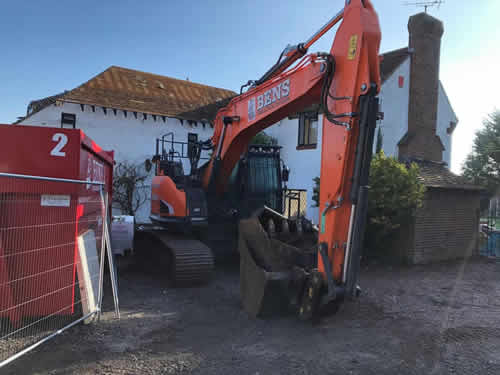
(50, 200)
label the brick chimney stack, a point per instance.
(421, 140)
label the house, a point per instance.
(127, 110)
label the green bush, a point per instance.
(482, 165)
(395, 192)
(263, 139)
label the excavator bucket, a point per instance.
(271, 276)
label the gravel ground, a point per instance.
(436, 319)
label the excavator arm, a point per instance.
(345, 82)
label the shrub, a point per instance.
(263, 139)
(395, 192)
(130, 190)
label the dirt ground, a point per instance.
(437, 319)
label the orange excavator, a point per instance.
(345, 82)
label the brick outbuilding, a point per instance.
(446, 226)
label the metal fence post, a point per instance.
(104, 200)
(112, 273)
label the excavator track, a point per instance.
(192, 261)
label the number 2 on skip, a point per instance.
(61, 140)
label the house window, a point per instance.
(308, 130)
(68, 120)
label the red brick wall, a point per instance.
(446, 227)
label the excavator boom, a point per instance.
(345, 82)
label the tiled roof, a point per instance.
(133, 90)
(390, 62)
(37, 105)
(136, 91)
(437, 175)
(207, 112)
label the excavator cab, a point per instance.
(172, 169)
(257, 180)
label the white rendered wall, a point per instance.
(445, 116)
(304, 164)
(394, 104)
(132, 139)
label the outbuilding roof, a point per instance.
(437, 175)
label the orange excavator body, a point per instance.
(167, 200)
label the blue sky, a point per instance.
(47, 47)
